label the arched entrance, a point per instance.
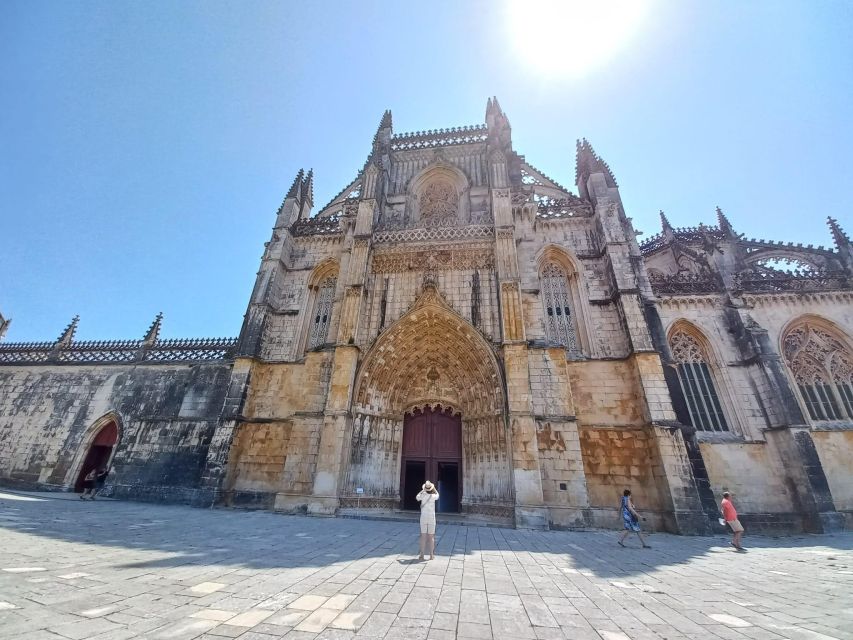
(432, 450)
(99, 452)
(430, 358)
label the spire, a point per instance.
(308, 191)
(383, 135)
(589, 162)
(839, 237)
(500, 132)
(664, 222)
(725, 226)
(154, 330)
(68, 333)
(296, 188)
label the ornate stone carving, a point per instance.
(432, 259)
(439, 203)
(471, 232)
(685, 348)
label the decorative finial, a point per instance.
(295, 190)
(4, 325)
(308, 189)
(154, 330)
(385, 123)
(839, 237)
(588, 162)
(68, 333)
(664, 222)
(725, 226)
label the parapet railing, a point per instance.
(753, 281)
(118, 351)
(439, 137)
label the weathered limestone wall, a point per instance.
(754, 474)
(606, 393)
(167, 415)
(835, 449)
(619, 459)
(276, 446)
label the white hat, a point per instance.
(428, 486)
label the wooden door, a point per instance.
(432, 450)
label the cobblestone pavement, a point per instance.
(114, 570)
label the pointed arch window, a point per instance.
(322, 313)
(822, 366)
(697, 382)
(556, 296)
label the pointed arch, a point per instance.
(702, 384)
(430, 357)
(105, 432)
(318, 321)
(819, 357)
(438, 195)
(565, 310)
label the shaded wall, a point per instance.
(167, 415)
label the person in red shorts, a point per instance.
(730, 516)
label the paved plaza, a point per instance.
(113, 570)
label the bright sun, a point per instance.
(572, 37)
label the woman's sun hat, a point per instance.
(428, 486)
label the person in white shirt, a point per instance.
(427, 497)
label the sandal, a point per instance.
(620, 543)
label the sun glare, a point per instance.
(572, 37)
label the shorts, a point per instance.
(428, 526)
(736, 526)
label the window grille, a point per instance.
(823, 370)
(322, 313)
(697, 383)
(559, 324)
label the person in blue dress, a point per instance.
(630, 519)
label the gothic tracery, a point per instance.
(559, 324)
(822, 366)
(697, 382)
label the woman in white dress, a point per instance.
(427, 497)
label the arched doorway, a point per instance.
(430, 357)
(432, 450)
(99, 452)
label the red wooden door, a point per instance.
(432, 450)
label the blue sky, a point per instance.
(145, 146)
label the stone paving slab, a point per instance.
(117, 570)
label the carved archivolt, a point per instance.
(433, 259)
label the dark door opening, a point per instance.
(99, 453)
(448, 487)
(432, 450)
(415, 477)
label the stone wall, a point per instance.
(835, 449)
(166, 416)
(755, 476)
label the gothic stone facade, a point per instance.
(456, 314)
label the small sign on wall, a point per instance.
(359, 490)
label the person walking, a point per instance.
(730, 516)
(100, 480)
(428, 496)
(89, 483)
(630, 520)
